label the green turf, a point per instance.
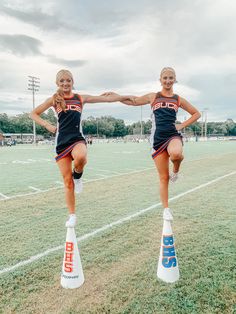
(25, 165)
(120, 264)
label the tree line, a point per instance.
(108, 126)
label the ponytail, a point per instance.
(58, 100)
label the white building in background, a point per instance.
(19, 138)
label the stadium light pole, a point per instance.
(97, 127)
(185, 118)
(202, 112)
(33, 85)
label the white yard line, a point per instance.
(109, 171)
(27, 161)
(101, 175)
(103, 170)
(93, 180)
(87, 180)
(30, 161)
(128, 169)
(111, 225)
(35, 189)
(4, 196)
(31, 193)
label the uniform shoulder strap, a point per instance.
(79, 98)
(154, 100)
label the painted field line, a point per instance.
(103, 170)
(93, 180)
(111, 225)
(127, 169)
(4, 196)
(111, 171)
(35, 189)
(27, 161)
(120, 174)
(100, 175)
(31, 193)
(87, 181)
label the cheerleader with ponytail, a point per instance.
(70, 142)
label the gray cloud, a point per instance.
(204, 34)
(20, 45)
(95, 19)
(37, 18)
(14, 107)
(103, 19)
(218, 94)
(23, 45)
(118, 111)
(128, 43)
(68, 63)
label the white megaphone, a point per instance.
(168, 268)
(72, 272)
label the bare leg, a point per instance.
(162, 165)
(79, 153)
(65, 166)
(175, 151)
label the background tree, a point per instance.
(106, 126)
(5, 123)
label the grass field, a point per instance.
(119, 263)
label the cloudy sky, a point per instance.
(120, 46)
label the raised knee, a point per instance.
(81, 161)
(176, 156)
(84, 160)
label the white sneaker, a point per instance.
(78, 185)
(174, 177)
(167, 214)
(71, 222)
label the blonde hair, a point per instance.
(63, 72)
(167, 69)
(58, 97)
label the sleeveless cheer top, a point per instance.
(69, 129)
(163, 120)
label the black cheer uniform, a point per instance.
(69, 131)
(163, 124)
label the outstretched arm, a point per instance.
(139, 101)
(195, 114)
(35, 115)
(107, 97)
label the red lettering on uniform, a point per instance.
(165, 105)
(73, 107)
